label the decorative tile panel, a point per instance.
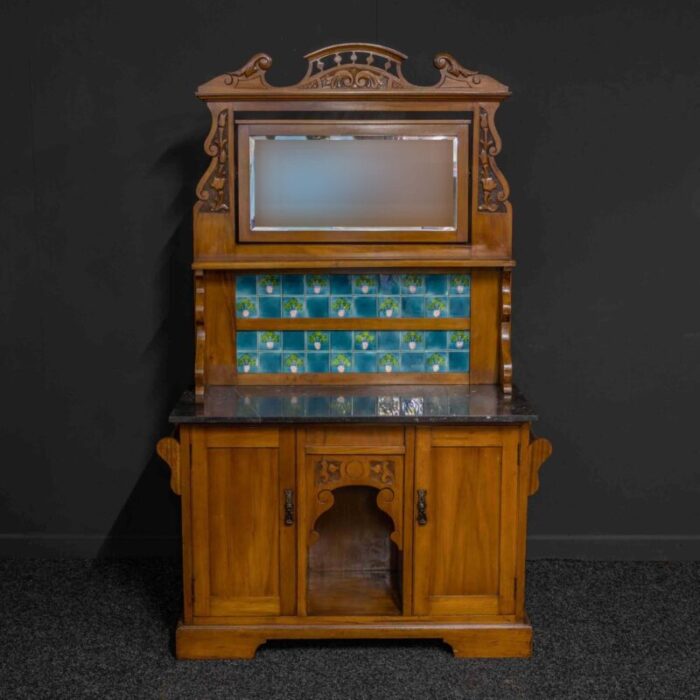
(343, 352)
(368, 296)
(353, 296)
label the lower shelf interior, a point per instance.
(353, 593)
(353, 564)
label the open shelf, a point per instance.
(353, 565)
(353, 593)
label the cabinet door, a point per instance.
(465, 512)
(244, 544)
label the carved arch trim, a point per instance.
(381, 472)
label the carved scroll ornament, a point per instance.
(353, 67)
(492, 186)
(506, 307)
(213, 188)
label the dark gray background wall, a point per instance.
(101, 150)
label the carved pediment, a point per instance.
(353, 68)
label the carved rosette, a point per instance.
(213, 190)
(337, 471)
(492, 186)
(506, 359)
(200, 336)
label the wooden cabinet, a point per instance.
(353, 531)
(355, 461)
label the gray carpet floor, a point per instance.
(103, 629)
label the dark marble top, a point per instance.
(368, 404)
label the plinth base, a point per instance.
(241, 641)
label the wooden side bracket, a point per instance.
(169, 451)
(539, 451)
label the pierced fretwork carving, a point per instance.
(356, 66)
(213, 190)
(492, 186)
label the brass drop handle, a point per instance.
(288, 507)
(422, 508)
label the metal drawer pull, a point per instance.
(422, 508)
(288, 507)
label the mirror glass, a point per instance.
(353, 182)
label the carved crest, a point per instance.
(368, 68)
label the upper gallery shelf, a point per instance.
(354, 71)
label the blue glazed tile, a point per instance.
(317, 362)
(270, 307)
(246, 340)
(292, 284)
(317, 307)
(460, 284)
(436, 307)
(246, 307)
(269, 340)
(436, 284)
(245, 284)
(388, 362)
(317, 340)
(341, 284)
(388, 340)
(389, 284)
(362, 337)
(364, 284)
(412, 362)
(364, 362)
(317, 285)
(459, 361)
(411, 284)
(247, 362)
(293, 307)
(293, 341)
(341, 307)
(459, 306)
(435, 362)
(459, 340)
(293, 362)
(413, 306)
(389, 307)
(341, 340)
(365, 306)
(271, 362)
(436, 340)
(412, 340)
(268, 284)
(341, 362)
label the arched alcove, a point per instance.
(353, 566)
